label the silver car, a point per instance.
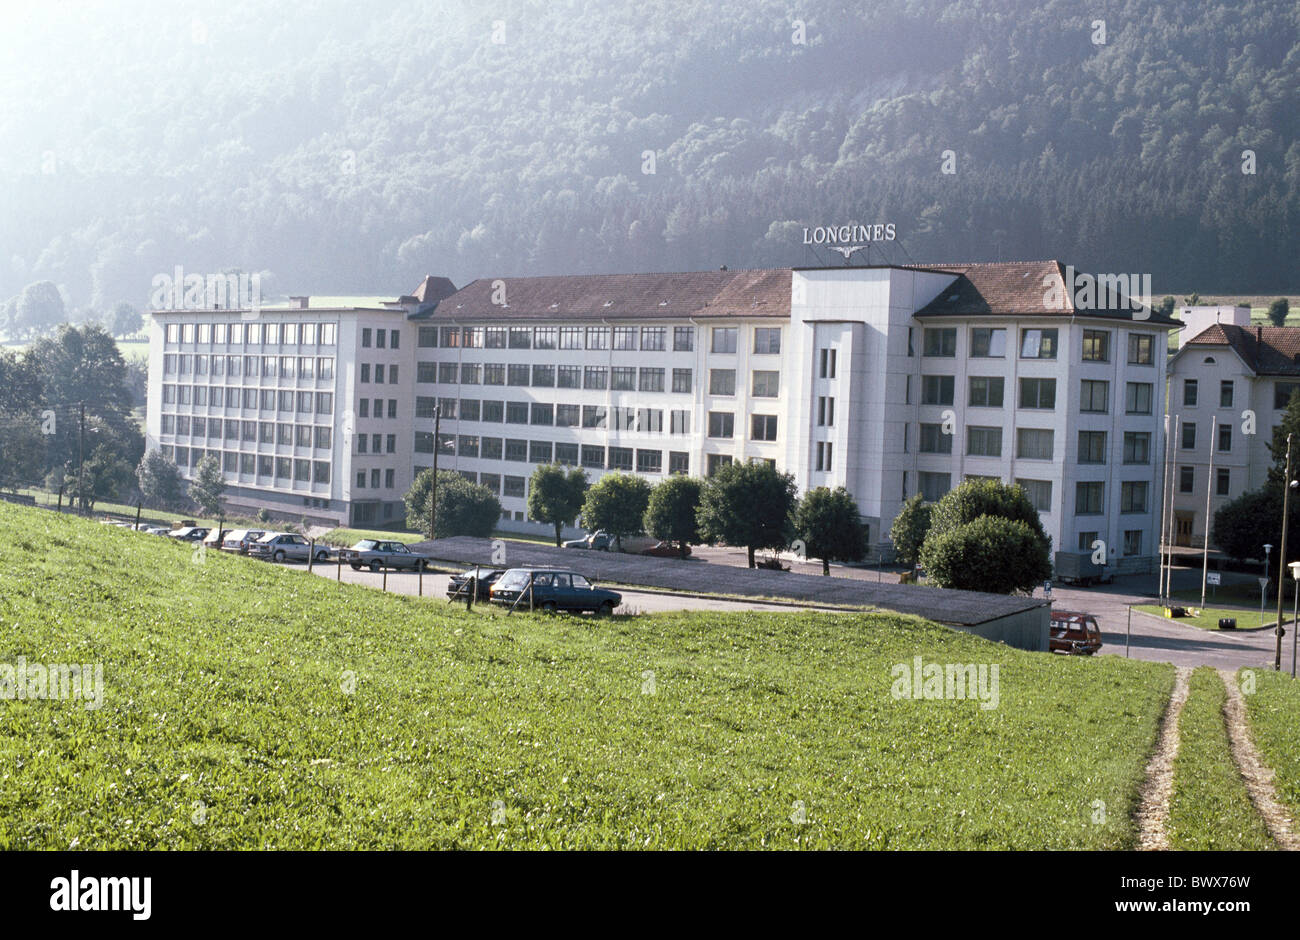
(282, 546)
(239, 540)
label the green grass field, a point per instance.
(1208, 617)
(246, 705)
(1271, 710)
(1210, 808)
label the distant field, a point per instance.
(247, 706)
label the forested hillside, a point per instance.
(353, 147)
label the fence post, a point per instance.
(311, 554)
(339, 577)
(385, 576)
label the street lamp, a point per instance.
(1281, 554)
(1295, 608)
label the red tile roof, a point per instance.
(1266, 350)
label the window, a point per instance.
(650, 420)
(321, 438)
(624, 419)
(650, 380)
(984, 442)
(724, 339)
(620, 458)
(566, 454)
(568, 377)
(516, 450)
(1225, 393)
(541, 414)
(492, 481)
(1096, 346)
(828, 363)
(934, 485)
(825, 453)
(516, 412)
(593, 456)
(567, 416)
(593, 416)
(766, 384)
(679, 462)
(683, 338)
(1133, 496)
(1092, 447)
(543, 376)
(1141, 350)
(1137, 398)
(649, 461)
(365, 372)
(654, 338)
(680, 422)
(595, 377)
(762, 427)
(426, 372)
(544, 337)
(986, 391)
(494, 337)
(1038, 344)
(988, 343)
(1137, 447)
(471, 373)
(517, 374)
(494, 411)
(623, 378)
(494, 373)
(1093, 396)
(470, 409)
(520, 337)
(1040, 493)
(449, 374)
(1186, 479)
(934, 441)
(539, 452)
(722, 381)
(1034, 443)
(721, 423)
(1282, 392)
(1189, 393)
(427, 337)
(940, 342)
(1225, 438)
(365, 337)
(1038, 393)
(1189, 437)
(598, 337)
(715, 462)
(392, 406)
(514, 486)
(491, 448)
(682, 380)
(937, 389)
(767, 340)
(1089, 498)
(625, 337)
(825, 411)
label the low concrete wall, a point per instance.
(1028, 630)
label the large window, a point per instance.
(1089, 499)
(595, 377)
(1189, 393)
(1137, 398)
(598, 337)
(724, 339)
(683, 338)
(934, 440)
(940, 342)
(721, 424)
(654, 338)
(568, 377)
(767, 340)
(1040, 493)
(682, 380)
(570, 337)
(1141, 349)
(650, 380)
(1092, 447)
(937, 389)
(766, 384)
(1137, 447)
(1034, 443)
(1096, 346)
(1282, 392)
(762, 427)
(520, 337)
(934, 485)
(516, 412)
(1038, 393)
(517, 374)
(988, 343)
(1094, 396)
(722, 381)
(986, 391)
(625, 337)
(1038, 344)
(623, 379)
(984, 442)
(1133, 496)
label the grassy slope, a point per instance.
(224, 685)
(1271, 710)
(1210, 808)
(1208, 618)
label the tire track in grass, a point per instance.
(1153, 797)
(1257, 774)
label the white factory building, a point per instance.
(887, 380)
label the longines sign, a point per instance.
(842, 238)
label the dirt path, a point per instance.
(1153, 805)
(1257, 775)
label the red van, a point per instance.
(1074, 633)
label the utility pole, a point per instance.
(1209, 488)
(433, 493)
(1281, 558)
(1166, 497)
(81, 457)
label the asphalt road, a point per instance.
(1151, 638)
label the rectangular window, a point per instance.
(1141, 349)
(568, 377)
(986, 391)
(494, 337)
(624, 337)
(988, 343)
(1038, 393)
(650, 380)
(1225, 393)
(679, 461)
(598, 337)
(1186, 479)
(514, 486)
(1096, 346)
(379, 338)
(649, 461)
(543, 376)
(492, 481)
(516, 412)
(937, 389)
(471, 373)
(650, 420)
(1034, 443)
(1133, 496)
(324, 403)
(715, 462)
(724, 339)
(940, 342)
(521, 337)
(1089, 498)
(620, 458)
(1038, 344)
(1189, 393)
(593, 416)
(365, 337)
(570, 337)
(566, 454)
(767, 340)
(623, 379)
(1092, 447)
(516, 450)
(1132, 541)
(539, 452)
(722, 381)
(1223, 481)
(984, 442)
(567, 416)
(1225, 438)
(624, 419)
(828, 364)
(721, 424)
(1282, 392)
(934, 441)
(494, 373)
(494, 411)
(825, 455)
(427, 337)
(541, 414)
(825, 411)
(544, 337)
(683, 338)
(1094, 396)
(765, 384)
(491, 448)
(517, 374)
(934, 485)
(322, 438)
(762, 427)
(1189, 437)
(1137, 447)
(593, 456)
(1137, 398)
(680, 422)
(654, 338)
(1040, 493)
(426, 372)
(448, 373)
(595, 377)
(470, 409)
(682, 380)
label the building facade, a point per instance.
(887, 380)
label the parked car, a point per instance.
(238, 540)
(377, 555)
(665, 550)
(285, 546)
(599, 541)
(554, 590)
(457, 588)
(1074, 633)
(189, 533)
(158, 530)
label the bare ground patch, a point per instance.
(1257, 775)
(1153, 798)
